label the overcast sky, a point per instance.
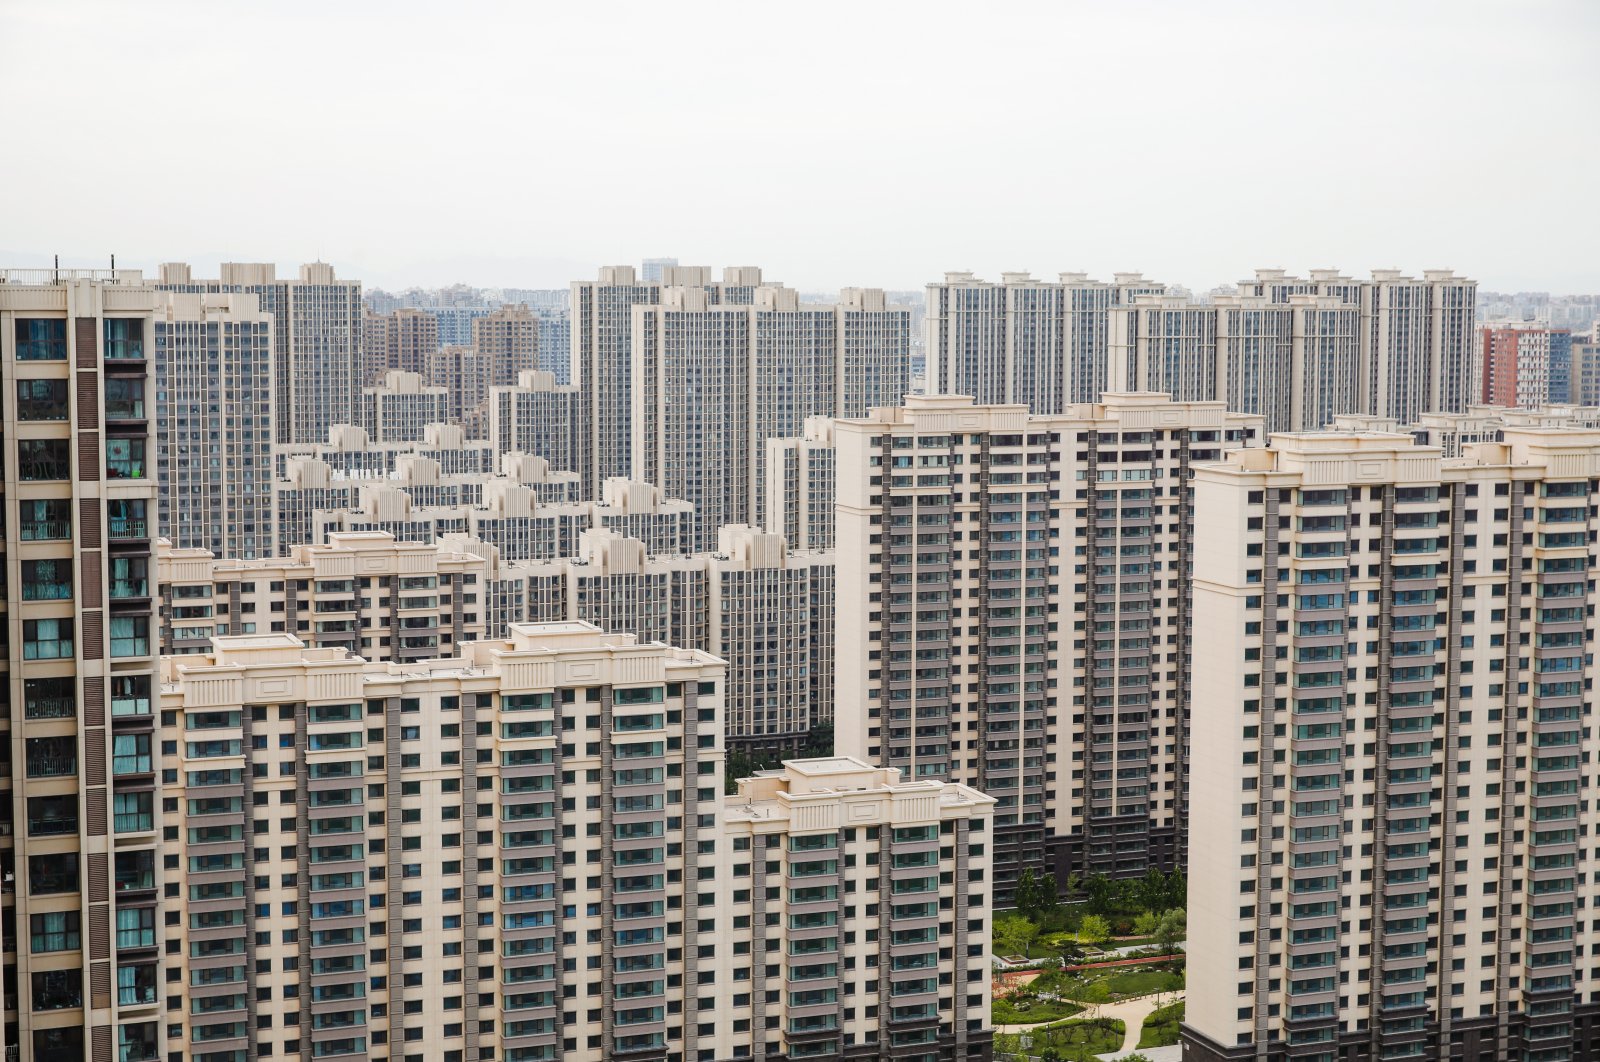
(864, 143)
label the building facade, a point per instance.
(800, 474)
(540, 416)
(400, 407)
(316, 330)
(1390, 670)
(1525, 365)
(80, 850)
(1014, 614)
(214, 421)
(524, 853)
(712, 383)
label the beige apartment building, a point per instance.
(1014, 614)
(1392, 663)
(316, 333)
(712, 382)
(507, 343)
(351, 448)
(396, 342)
(766, 610)
(800, 475)
(362, 592)
(79, 851)
(539, 416)
(400, 407)
(523, 852)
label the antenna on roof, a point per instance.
(55, 273)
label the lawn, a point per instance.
(1026, 1010)
(1161, 1026)
(1073, 1041)
(1121, 982)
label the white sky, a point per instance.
(866, 143)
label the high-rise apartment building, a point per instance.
(540, 416)
(214, 421)
(800, 472)
(361, 591)
(83, 965)
(507, 340)
(400, 407)
(524, 853)
(764, 609)
(464, 377)
(555, 342)
(399, 341)
(712, 383)
(602, 347)
(1585, 389)
(316, 332)
(1391, 661)
(1014, 614)
(1023, 341)
(1525, 365)
(351, 449)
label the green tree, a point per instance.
(1093, 931)
(1145, 925)
(1172, 931)
(1036, 895)
(1177, 890)
(1151, 891)
(1100, 892)
(1013, 935)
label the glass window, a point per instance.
(125, 459)
(50, 816)
(133, 813)
(45, 519)
(130, 754)
(52, 757)
(126, 518)
(124, 398)
(129, 578)
(124, 339)
(57, 989)
(41, 340)
(49, 874)
(47, 639)
(130, 636)
(130, 695)
(41, 400)
(43, 459)
(46, 580)
(136, 927)
(55, 931)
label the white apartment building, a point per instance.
(1023, 341)
(316, 331)
(214, 421)
(350, 448)
(602, 348)
(1014, 614)
(765, 610)
(712, 383)
(800, 474)
(539, 416)
(362, 591)
(400, 407)
(1390, 673)
(523, 853)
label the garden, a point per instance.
(1160, 1027)
(1134, 912)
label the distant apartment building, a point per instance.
(507, 340)
(1452, 433)
(537, 415)
(213, 421)
(1038, 343)
(526, 516)
(1014, 614)
(360, 591)
(800, 475)
(455, 323)
(316, 330)
(602, 347)
(555, 342)
(1585, 389)
(310, 486)
(1296, 351)
(523, 852)
(1388, 851)
(351, 449)
(81, 895)
(1525, 365)
(400, 407)
(712, 383)
(400, 341)
(766, 610)
(464, 377)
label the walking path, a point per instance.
(1131, 1012)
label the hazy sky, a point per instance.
(864, 143)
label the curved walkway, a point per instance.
(1131, 1012)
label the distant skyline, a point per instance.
(502, 144)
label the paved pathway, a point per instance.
(1131, 1012)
